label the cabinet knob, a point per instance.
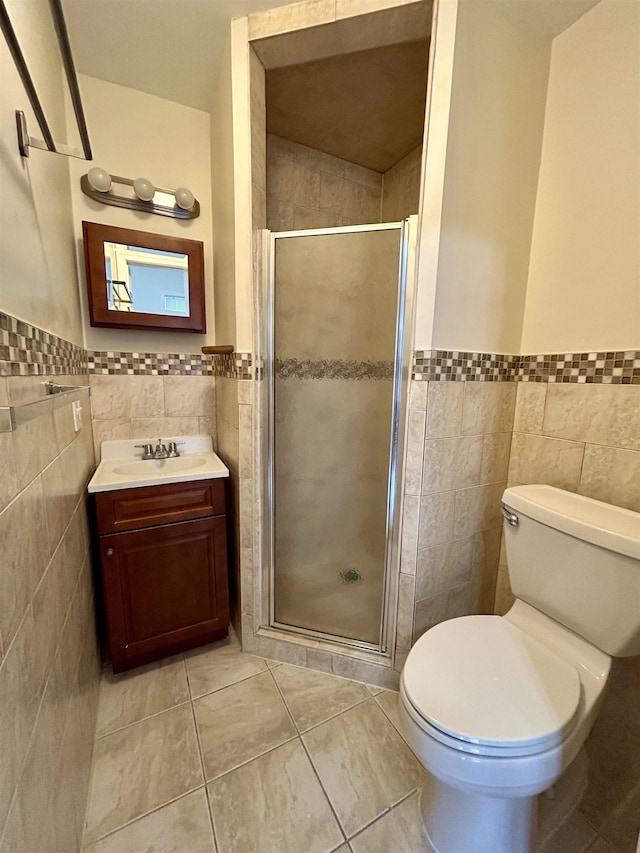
(109, 552)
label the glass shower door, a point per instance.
(334, 304)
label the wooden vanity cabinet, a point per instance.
(163, 560)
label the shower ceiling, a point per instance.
(365, 107)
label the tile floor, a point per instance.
(217, 750)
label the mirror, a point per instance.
(137, 280)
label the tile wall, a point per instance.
(459, 438)
(49, 662)
(147, 406)
(401, 187)
(309, 189)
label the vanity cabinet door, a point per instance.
(165, 589)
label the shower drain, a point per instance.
(350, 576)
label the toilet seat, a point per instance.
(480, 685)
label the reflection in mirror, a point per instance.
(148, 281)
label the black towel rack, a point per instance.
(47, 144)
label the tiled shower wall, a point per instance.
(309, 189)
(49, 663)
(401, 187)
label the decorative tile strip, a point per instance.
(236, 365)
(148, 363)
(27, 350)
(332, 368)
(612, 367)
(603, 368)
(455, 366)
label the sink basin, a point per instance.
(122, 468)
(149, 467)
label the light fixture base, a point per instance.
(134, 203)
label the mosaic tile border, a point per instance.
(27, 350)
(113, 363)
(611, 367)
(333, 368)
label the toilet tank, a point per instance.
(577, 560)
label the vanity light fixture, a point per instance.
(98, 185)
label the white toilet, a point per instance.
(498, 708)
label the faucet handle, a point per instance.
(147, 450)
(173, 448)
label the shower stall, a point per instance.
(335, 315)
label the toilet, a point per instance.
(497, 708)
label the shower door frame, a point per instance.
(405, 312)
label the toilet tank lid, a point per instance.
(599, 523)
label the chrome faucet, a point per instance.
(161, 451)
(147, 451)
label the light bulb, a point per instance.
(144, 189)
(99, 179)
(184, 198)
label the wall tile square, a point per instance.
(612, 475)
(538, 459)
(451, 463)
(444, 409)
(436, 519)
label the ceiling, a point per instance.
(169, 48)
(173, 48)
(366, 107)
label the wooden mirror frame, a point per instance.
(95, 236)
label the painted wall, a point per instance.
(37, 260)
(584, 280)
(134, 134)
(493, 153)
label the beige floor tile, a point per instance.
(573, 836)
(374, 689)
(399, 830)
(132, 696)
(240, 722)
(273, 805)
(182, 825)
(363, 764)
(314, 697)
(139, 768)
(388, 700)
(601, 846)
(220, 665)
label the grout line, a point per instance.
(224, 686)
(250, 760)
(141, 720)
(203, 771)
(313, 767)
(145, 814)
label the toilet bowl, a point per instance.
(498, 708)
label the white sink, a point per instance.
(146, 467)
(122, 468)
